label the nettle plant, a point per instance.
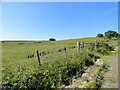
(53, 76)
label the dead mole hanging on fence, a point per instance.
(38, 57)
(30, 55)
(64, 49)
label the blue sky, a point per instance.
(61, 20)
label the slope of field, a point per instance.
(15, 61)
(16, 52)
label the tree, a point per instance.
(52, 39)
(110, 34)
(99, 35)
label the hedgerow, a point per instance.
(44, 78)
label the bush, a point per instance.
(103, 51)
(111, 34)
(99, 35)
(52, 39)
(104, 48)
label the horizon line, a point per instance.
(42, 39)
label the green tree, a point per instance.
(52, 39)
(99, 35)
(110, 34)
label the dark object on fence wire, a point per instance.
(30, 55)
(43, 53)
(59, 50)
(64, 49)
(38, 57)
(71, 47)
(40, 54)
(51, 52)
(78, 46)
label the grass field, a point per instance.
(14, 53)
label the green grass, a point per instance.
(86, 40)
(14, 54)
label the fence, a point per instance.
(79, 46)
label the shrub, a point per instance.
(110, 34)
(52, 39)
(99, 35)
(103, 51)
(104, 48)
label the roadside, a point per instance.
(111, 77)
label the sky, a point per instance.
(59, 0)
(59, 20)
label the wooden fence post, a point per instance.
(78, 46)
(82, 45)
(38, 57)
(95, 44)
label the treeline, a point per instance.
(109, 35)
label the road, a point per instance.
(111, 77)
